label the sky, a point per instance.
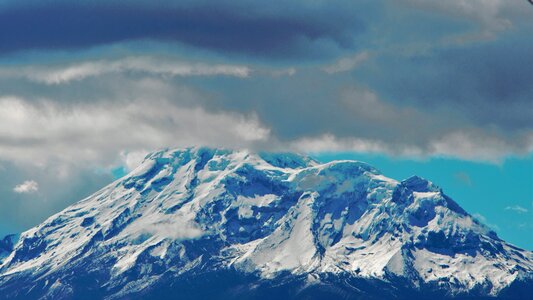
(441, 89)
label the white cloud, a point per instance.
(346, 64)
(96, 132)
(60, 74)
(177, 230)
(251, 130)
(27, 187)
(329, 142)
(132, 159)
(179, 226)
(461, 145)
(517, 208)
(476, 145)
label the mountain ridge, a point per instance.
(267, 220)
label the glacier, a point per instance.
(201, 223)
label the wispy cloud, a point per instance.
(347, 63)
(27, 187)
(484, 221)
(464, 178)
(517, 208)
(329, 142)
(146, 64)
(133, 159)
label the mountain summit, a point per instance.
(202, 223)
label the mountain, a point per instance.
(202, 223)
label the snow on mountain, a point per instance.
(255, 222)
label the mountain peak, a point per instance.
(205, 154)
(420, 184)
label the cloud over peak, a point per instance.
(44, 131)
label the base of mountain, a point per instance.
(229, 284)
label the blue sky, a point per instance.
(441, 89)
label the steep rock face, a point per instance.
(257, 224)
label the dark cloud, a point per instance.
(220, 27)
(489, 82)
(310, 105)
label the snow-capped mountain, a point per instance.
(210, 223)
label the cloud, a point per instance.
(447, 147)
(274, 29)
(27, 187)
(98, 132)
(464, 178)
(133, 159)
(476, 145)
(180, 227)
(329, 142)
(482, 87)
(484, 221)
(465, 100)
(146, 110)
(493, 16)
(151, 65)
(343, 116)
(347, 63)
(284, 72)
(517, 208)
